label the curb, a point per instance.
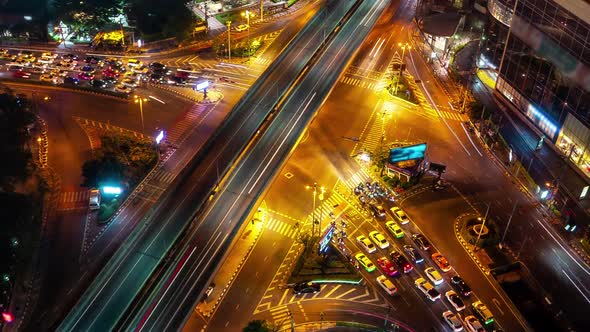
(465, 246)
(211, 311)
(87, 90)
(184, 95)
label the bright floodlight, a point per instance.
(365, 157)
(160, 137)
(112, 190)
(202, 85)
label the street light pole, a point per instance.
(315, 185)
(139, 100)
(481, 228)
(228, 40)
(321, 198)
(401, 65)
(508, 225)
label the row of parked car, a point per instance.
(121, 75)
(408, 257)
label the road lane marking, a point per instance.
(345, 293)
(575, 285)
(470, 140)
(284, 295)
(332, 291)
(498, 304)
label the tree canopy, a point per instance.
(257, 326)
(86, 16)
(169, 18)
(16, 117)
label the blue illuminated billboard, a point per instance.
(411, 152)
(325, 241)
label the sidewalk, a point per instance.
(229, 270)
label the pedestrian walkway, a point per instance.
(162, 177)
(228, 271)
(73, 200)
(289, 230)
(364, 83)
(190, 120)
(280, 315)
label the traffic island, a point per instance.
(331, 266)
(118, 166)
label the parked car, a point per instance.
(441, 262)
(306, 287)
(401, 262)
(453, 321)
(413, 253)
(400, 215)
(421, 241)
(461, 286)
(71, 80)
(366, 244)
(386, 284)
(394, 228)
(455, 300)
(427, 289)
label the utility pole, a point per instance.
(483, 224)
(508, 225)
(313, 220)
(401, 66)
(261, 11)
(228, 23)
(321, 198)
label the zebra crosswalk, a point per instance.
(163, 177)
(280, 315)
(69, 200)
(453, 116)
(363, 83)
(179, 130)
(281, 227)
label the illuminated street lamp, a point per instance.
(140, 100)
(248, 14)
(228, 23)
(403, 47)
(322, 191)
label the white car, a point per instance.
(386, 284)
(473, 324)
(400, 215)
(433, 275)
(455, 300)
(366, 244)
(427, 289)
(379, 239)
(453, 321)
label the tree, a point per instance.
(86, 16)
(16, 119)
(170, 18)
(257, 326)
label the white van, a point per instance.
(94, 200)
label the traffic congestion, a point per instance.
(112, 74)
(394, 256)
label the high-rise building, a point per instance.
(543, 71)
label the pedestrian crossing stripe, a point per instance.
(279, 314)
(451, 115)
(163, 176)
(360, 83)
(281, 227)
(73, 196)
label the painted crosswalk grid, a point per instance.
(368, 84)
(73, 200)
(163, 177)
(280, 315)
(287, 229)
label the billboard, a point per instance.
(407, 153)
(325, 240)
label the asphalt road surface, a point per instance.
(171, 307)
(121, 280)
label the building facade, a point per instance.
(536, 85)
